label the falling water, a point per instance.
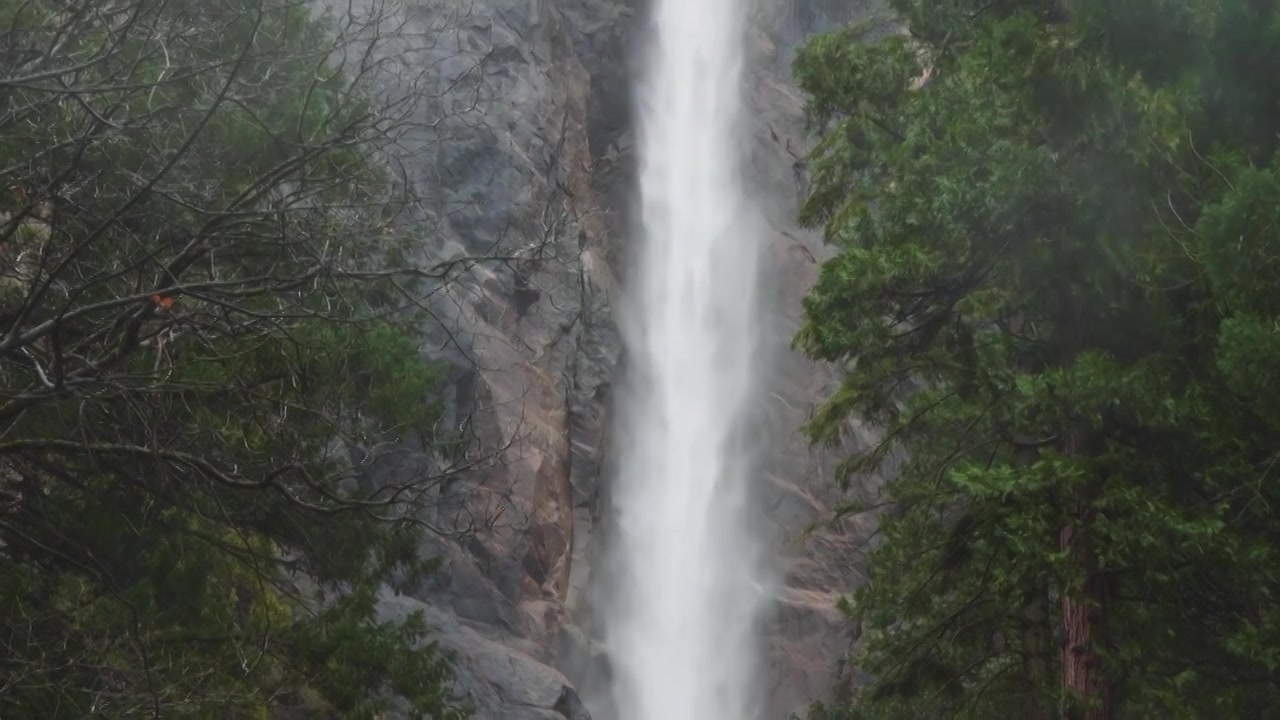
(681, 624)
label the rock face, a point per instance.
(527, 155)
(498, 681)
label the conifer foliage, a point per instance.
(1056, 288)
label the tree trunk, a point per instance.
(1087, 695)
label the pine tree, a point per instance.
(1038, 294)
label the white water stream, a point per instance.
(681, 621)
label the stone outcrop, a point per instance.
(497, 681)
(527, 155)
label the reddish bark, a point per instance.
(1088, 696)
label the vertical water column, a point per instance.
(681, 622)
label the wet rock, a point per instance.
(528, 154)
(499, 682)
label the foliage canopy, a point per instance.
(202, 318)
(1055, 288)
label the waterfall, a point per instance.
(681, 621)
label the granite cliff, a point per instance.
(527, 155)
